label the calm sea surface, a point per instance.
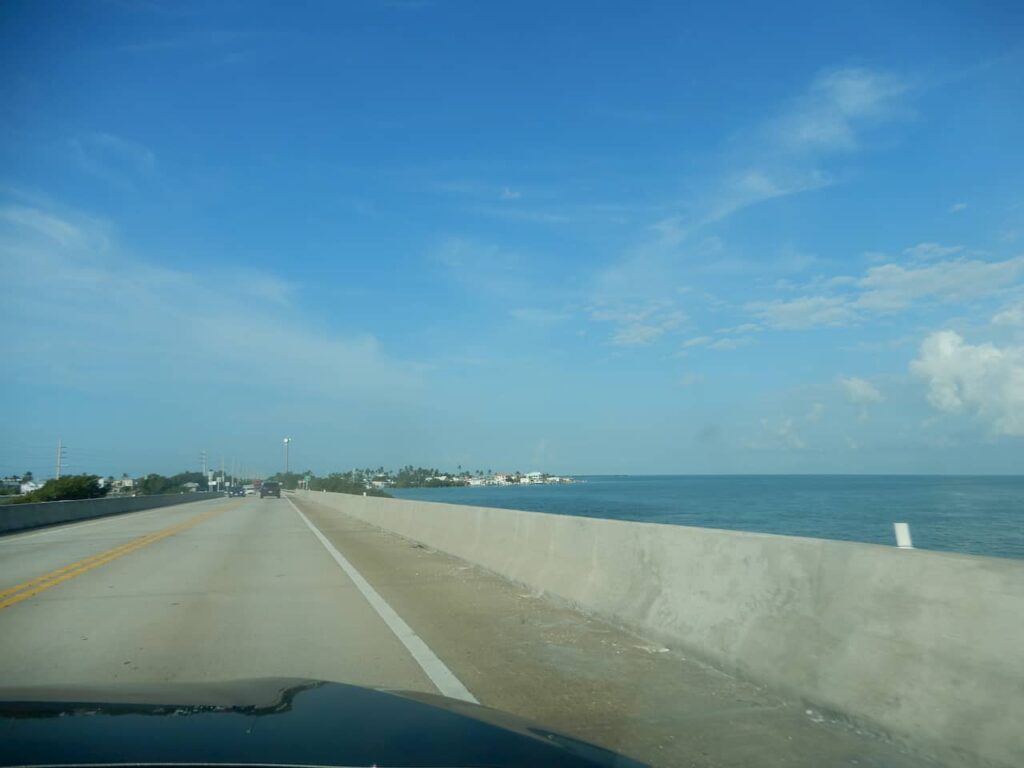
(968, 514)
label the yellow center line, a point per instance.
(24, 591)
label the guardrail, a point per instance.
(20, 517)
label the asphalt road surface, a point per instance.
(218, 590)
(241, 588)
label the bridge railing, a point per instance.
(20, 517)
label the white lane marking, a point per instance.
(442, 677)
(9, 538)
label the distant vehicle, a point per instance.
(270, 488)
(236, 490)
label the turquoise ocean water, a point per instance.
(979, 515)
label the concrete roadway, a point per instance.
(236, 588)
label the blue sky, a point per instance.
(577, 237)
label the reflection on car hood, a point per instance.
(273, 721)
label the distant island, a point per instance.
(422, 477)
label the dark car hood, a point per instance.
(273, 721)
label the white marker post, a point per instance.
(903, 536)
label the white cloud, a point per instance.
(957, 207)
(982, 379)
(734, 342)
(697, 341)
(923, 251)
(636, 335)
(1011, 316)
(860, 391)
(776, 435)
(803, 312)
(815, 412)
(688, 379)
(510, 194)
(893, 287)
(785, 431)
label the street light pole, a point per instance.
(287, 440)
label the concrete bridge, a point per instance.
(679, 646)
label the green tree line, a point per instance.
(66, 488)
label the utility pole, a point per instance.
(202, 456)
(220, 483)
(60, 456)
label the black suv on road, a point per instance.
(270, 488)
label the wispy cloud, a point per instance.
(753, 186)
(1012, 316)
(481, 265)
(46, 224)
(113, 159)
(731, 342)
(957, 207)
(641, 326)
(803, 312)
(636, 335)
(924, 251)
(697, 341)
(839, 105)
(787, 153)
(194, 331)
(892, 288)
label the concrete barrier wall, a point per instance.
(927, 646)
(19, 517)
